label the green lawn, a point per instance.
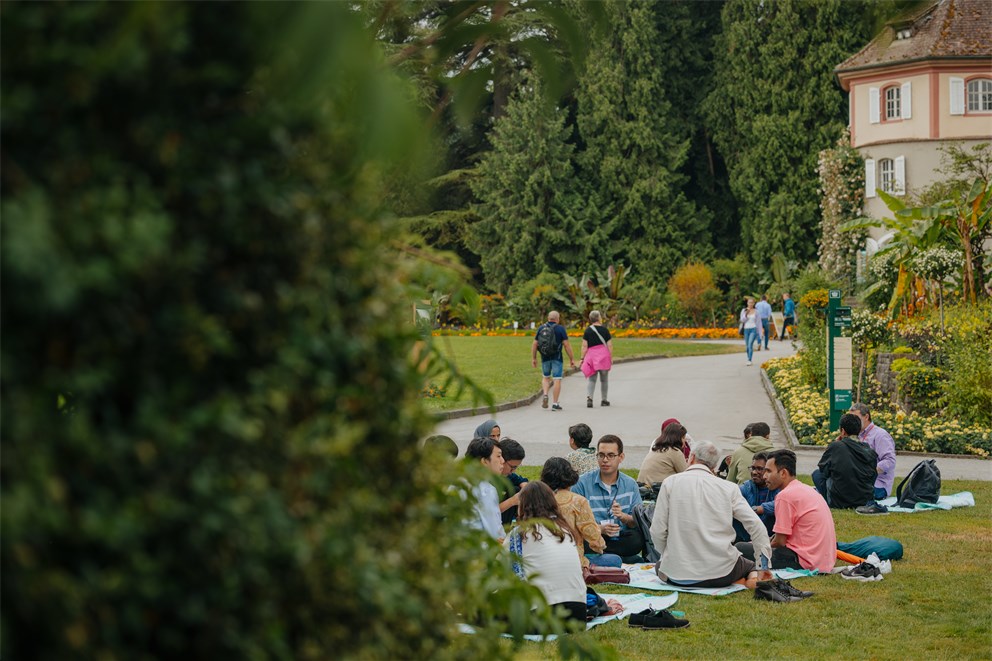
(502, 364)
(934, 604)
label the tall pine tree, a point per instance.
(634, 149)
(528, 211)
(775, 106)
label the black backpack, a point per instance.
(922, 485)
(547, 341)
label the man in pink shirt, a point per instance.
(804, 528)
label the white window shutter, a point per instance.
(873, 107)
(957, 96)
(900, 183)
(907, 100)
(869, 177)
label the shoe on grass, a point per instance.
(785, 586)
(662, 620)
(556, 407)
(544, 402)
(872, 508)
(864, 572)
(772, 591)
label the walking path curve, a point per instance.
(715, 397)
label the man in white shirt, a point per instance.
(764, 309)
(487, 452)
(693, 527)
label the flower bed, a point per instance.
(665, 333)
(809, 418)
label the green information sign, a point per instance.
(840, 358)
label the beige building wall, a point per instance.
(968, 125)
(917, 126)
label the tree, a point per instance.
(215, 447)
(775, 107)
(842, 197)
(633, 151)
(529, 218)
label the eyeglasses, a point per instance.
(606, 457)
(513, 466)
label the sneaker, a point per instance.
(544, 402)
(771, 591)
(863, 572)
(604, 403)
(636, 620)
(662, 620)
(588, 402)
(556, 407)
(749, 363)
(872, 508)
(785, 586)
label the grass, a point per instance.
(934, 604)
(502, 365)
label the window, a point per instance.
(980, 95)
(887, 174)
(893, 105)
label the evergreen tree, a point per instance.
(775, 106)
(528, 220)
(634, 149)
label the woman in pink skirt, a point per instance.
(597, 357)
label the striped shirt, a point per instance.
(600, 496)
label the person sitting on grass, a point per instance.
(559, 475)
(612, 496)
(665, 457)
(513, 456)
(755, 440)
(486, 451)
(804, 528)
(759, 497)
(543, 545)
(846, 474)
(582, 457)
(692, 527)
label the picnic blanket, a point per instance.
(963, 499)
(643, 577)
(632, 603)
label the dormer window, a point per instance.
(904, 33)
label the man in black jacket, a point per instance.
(846, 473)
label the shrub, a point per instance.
(902, 350)
(815, 301)
(900, 364)
(921, 385)
(532, 300)
(968, 388)
(811, 279)
(692, 286)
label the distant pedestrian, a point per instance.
(549, 340)
(750, 327)
(789, 312)
(596, 358)
(764, 309)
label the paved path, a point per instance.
(715, 397)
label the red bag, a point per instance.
(594, 574)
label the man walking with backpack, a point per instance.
(549, 340)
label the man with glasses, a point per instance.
(513, 456)
(612, 496)
(759, 496)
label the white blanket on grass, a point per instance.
(632, 603)
(963, 499)
(643, 577)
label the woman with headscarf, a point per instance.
(488, 429)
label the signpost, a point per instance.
(840, 354)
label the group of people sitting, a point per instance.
(715, 521)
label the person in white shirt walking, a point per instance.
(764, 309)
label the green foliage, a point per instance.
(775, 106)
(532, 299)
(692, 286)
(900, 364)
(842, 189)
(735, 278)
(922, 386)
(811, 279)
(868, 329)
(634, 150)
(968, 391)
(214, 452)
(529, 214)
(901, 350)
(602, 292)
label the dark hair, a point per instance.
(558, 473)
(610, 438)
(672, 437)
(760, 429)
(760, 456)
(511, 449)
(442, 443)
(784, 459)
(747, 432)
(481, 447)
(580, 434)
(537, 501)
(863, 409)
(850, 423)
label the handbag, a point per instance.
(594, 574)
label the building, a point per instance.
(924, 82)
